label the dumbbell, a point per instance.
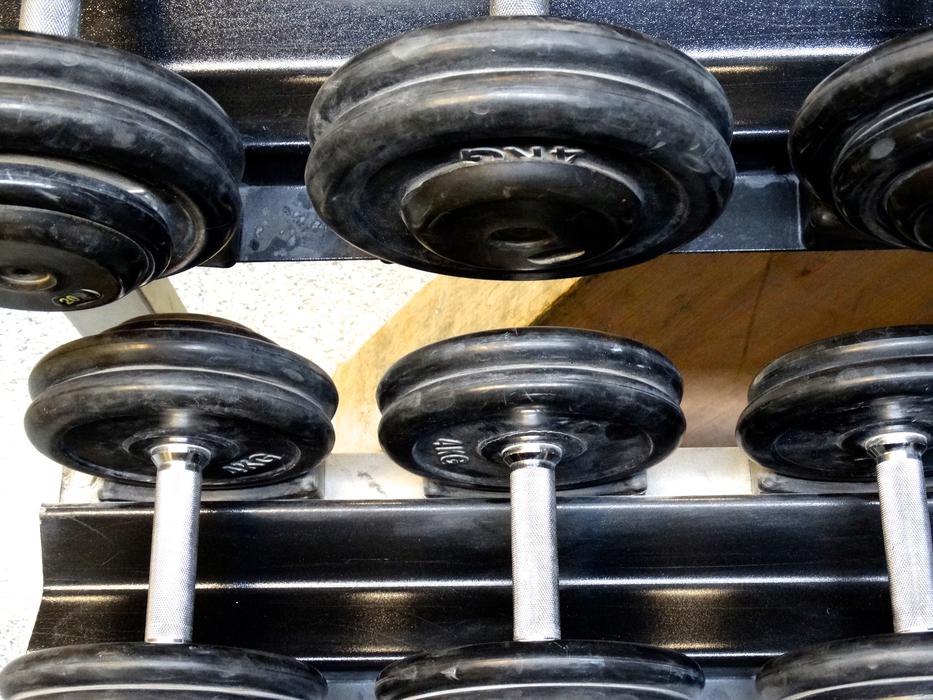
(861, 142)
(519, 147)
(186, 402)
(527, 411)
(858, 407)
(114, 170)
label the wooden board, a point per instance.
(445, 307)
(719, 317)
(722, 317)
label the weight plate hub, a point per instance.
(158, 672)
(115, 171)
(83, 262)
(610, 405)
(811, 411)
(862, 141)
(544, 671)
(100, 404)
(520, 148)
(885, 667)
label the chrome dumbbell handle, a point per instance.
(174, 555)
(507, 8)
(535, 580)
(905, 521)
(54, 17)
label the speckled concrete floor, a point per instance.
(323, 311)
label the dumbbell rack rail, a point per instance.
(350, 586)
(263, 62)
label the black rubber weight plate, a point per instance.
(158, 672)
(100, 403)
(592, 100)
(810, 411)
(861, 140)
(886, 667)
(146, 153)
(611, 404)
(557, 670)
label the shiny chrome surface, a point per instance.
(56, 17)
(509, 8)
(173, 561)
(905, 522)
(535, 577)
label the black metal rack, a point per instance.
(352, 586)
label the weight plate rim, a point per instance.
(809, 145)
(496, 31)
(521, 346)
(763, 423)
(186, 101)
(401, 681)
(83, 191)
(871, 345)
(791, 676)
(324, 402)
(178, 167)
(47, 420)
(187, 320)
(59, 666)
(132, 257)
(336, 186)
(151, 98)
(143, 342)
(864, 185)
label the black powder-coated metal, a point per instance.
(351, 586)
(263, 62)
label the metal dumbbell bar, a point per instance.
(905, 519)
(181, 401)
(530, 410)
(858, 407)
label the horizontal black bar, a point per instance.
(263, 61)
(731, 581)
(763, 214)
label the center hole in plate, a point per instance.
(25, 279)
(520, 236)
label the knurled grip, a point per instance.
(535, 581)
(53, 17)
(510, 8)
(174, 557)
(905, 521)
